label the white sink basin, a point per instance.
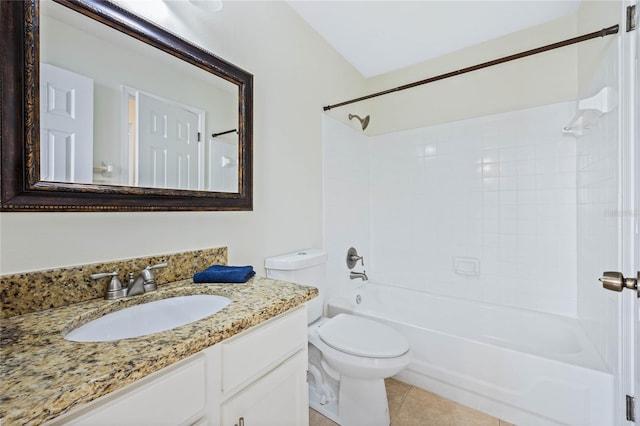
(148, 318)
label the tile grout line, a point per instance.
(404, 398)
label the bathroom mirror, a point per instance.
(102, 110)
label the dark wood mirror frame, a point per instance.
(21, 189)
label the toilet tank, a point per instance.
(301, 267)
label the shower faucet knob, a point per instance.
(353, 257)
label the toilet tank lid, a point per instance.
(297, 260)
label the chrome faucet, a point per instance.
(145, 281)
(362, 275)
(352, 260)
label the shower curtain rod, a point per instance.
(602, 33)
(215, 135)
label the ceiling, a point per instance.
(377, 37)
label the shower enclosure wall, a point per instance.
(502, 210)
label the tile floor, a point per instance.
(411, 406)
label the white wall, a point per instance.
(346, 202)
(598, 185)
(599, 238)
(295, 74)
(594, 15)
(541, 79)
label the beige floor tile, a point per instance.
(410, 406)
(317, 419)
(396, 393)
(422, 408)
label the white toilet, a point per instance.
(349, 356)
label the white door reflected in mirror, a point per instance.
(66, 125)
(168, 146)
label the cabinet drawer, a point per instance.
(279, 398)
(249, 356)
(168, 398)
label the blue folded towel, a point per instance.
(224, 274)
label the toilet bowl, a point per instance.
(360, 348)
(353, 355)
(349, 356)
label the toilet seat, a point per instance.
(355, 366)
(361, 337)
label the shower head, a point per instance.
(363, 121)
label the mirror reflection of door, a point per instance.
(168, 152)
(66, 125)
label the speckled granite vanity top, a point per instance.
(43, 375)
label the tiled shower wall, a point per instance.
(481, 209)
(599, 217)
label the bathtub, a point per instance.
(521, 366)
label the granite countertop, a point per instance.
(42, 375)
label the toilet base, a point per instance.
(349, 389)
(329, 409)
(360, 402)
(363, 402)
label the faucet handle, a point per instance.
(353, 257)
(104, 274)
(147, 273)
(149, 279)
(114, 289)
(158, 266)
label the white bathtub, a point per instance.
(521, 366)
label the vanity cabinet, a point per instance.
(257, 377)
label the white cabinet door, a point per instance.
(172, 396)
(66, 125)
(280, 398)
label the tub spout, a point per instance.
(362, 275)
